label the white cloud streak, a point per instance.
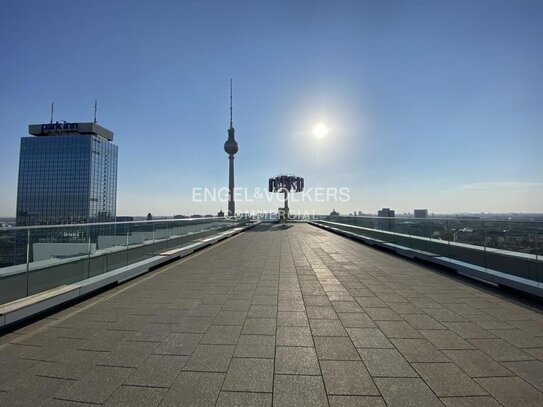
(488, 186)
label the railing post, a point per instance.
(89, 252)
(127, 237)
(484, 242)
(539, 275)
(27, 262)
(448, 238)
(154, 224)
(536, 238)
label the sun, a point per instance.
(320, 131)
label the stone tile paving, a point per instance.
(282, 316)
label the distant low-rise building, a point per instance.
(124, 219)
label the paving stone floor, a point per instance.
(283, 316)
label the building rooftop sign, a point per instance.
(64, 129)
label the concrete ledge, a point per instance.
(211, 240)
(190, 248)
(26, 307)
(479, 273)
(492, 276)
(119, 275)
(186, 250)
(142, 267)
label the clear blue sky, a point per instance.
(433, 104)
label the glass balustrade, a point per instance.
(38, 258)
(511, 247)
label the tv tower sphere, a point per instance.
(231, 145)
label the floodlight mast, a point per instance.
(285, 184)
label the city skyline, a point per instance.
(429, 105)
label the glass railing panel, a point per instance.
(13, 264)
(466, 238)
(149, 240)
(511, 248)
(390, 236)
(422, 236)
(416, 227)
(400, 229)
(382, 224)
(111, 242)
(117, 255)
(178, 234)
(141, 239)
(58, 256)
(439, 232)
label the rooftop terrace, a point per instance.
(285, 315)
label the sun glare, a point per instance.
(320, 130)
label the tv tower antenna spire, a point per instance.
(52, 110)
(230, 102)
(95, 109)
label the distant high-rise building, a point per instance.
(386, 213)
(385, 224)
(67, 174)
(421, 213)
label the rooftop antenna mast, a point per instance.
(95, 110)
(52, 110)
(230, 102)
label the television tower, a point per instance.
(231, 148)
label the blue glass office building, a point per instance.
(67, 174)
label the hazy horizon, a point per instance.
(374, 213)
(435, 105)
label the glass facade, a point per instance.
(66, 179)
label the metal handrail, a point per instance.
(432, 219)
(112, 223)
